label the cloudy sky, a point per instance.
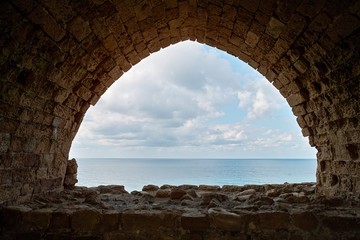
(191, 101)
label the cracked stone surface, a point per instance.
(253, 211)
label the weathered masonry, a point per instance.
(58, 58)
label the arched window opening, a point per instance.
(191, 114)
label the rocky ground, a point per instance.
(187, 198)
(186, 212)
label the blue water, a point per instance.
(135, 173)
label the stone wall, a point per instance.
(186, 212)
(58, 57)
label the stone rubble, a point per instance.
(275, 211)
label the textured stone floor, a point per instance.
(282, 211)
(187, 197)
(192, 198)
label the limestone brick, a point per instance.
(275, 27)
(47, 23)
(79, 28)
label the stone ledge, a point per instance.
(199, 212)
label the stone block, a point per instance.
(297, 98)
(275, 27)
(252, 39)
(209, 187)
(110, 221)
(41, 17)
(176, 194)
(195, 221)
(4, 142)
(250, 5)
(37, 220)
(85, 220)
(61, 219)
(79, 28)
(230, 221)
(148, 220)
(150, 187)
(12, 217)
(305, 221)
(272, 220)
(163, 193)
(341, 223)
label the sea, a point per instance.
(134, 173)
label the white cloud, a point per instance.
(260, 105)
(244, 98)
(177, 102)
(260, 99)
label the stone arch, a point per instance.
(59, 58)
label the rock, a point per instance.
(248, 207)
(262, 201)
(309, 189)
(187, 202)
(273, 220)
(150, 187)
(111, 189)
(207, 197)
(70, 180)
(72, 166)
(71, 174)
(232, 188)
(192, 193)
(38, 219)
(247, 192)
(214, 203)
(243, 198)
(144, 195)
(295, 198)
(162, 193)
(176, 194)
(305, 221)
(229, 221)
(188, 187)
(85, 220)
(186, 197)
(209, 188)
(195, 221)
(11, 217)
(167, 186)
(332, 201)
(272, 193)
(282, 206)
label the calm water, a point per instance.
(135, 173)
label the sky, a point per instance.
(190, 100)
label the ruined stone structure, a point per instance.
(58, 58)
(187, 212)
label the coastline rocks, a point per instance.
(162, 193)
(209, 188)
(247, 192)
(115, 189)
(207, 197)
(150, 188)
(177, 193)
